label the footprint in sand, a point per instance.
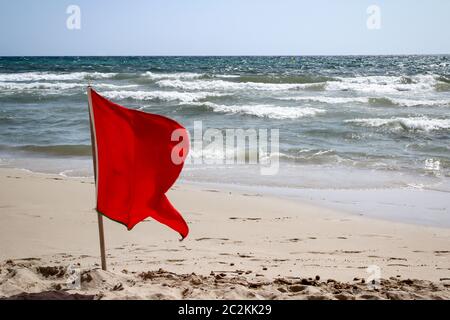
(175, 260)
(205, 238)
(245, 219)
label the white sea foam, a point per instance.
(159, 95)
(384, 84)
(227, 76)
(113, 86)
(330, 100)
(46, 76)
(221, 85)
(345, 100)
(414, 103)
(184, 76)
(38, 85)
(267, 111)
(178, 75)
(413, 123)
(365, 84)
(432, 164)
(56, 86)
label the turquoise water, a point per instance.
(345, 122)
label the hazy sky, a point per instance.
(224, 27)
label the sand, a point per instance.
(240, 246)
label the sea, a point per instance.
(346, 123)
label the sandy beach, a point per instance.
(238, 150)
(240, 246)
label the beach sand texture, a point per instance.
(241, 246)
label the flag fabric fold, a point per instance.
(137, 158)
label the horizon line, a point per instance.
(233, 55)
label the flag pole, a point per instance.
(94, 160)
(102, 240)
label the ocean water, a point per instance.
(356, 122)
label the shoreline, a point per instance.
(418, 205)
(50, 218)
(360, 202)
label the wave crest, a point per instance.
(384, 84)
(221, 85)
(57, 85)
(46, 76)
(385, 101)
(409, 124)
(266, 111)
(160, 95)
(177, 75)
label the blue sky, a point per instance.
(224, 27)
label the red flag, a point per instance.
(136, 161)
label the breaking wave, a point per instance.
(56, 85)
(384, 84)
(411, 102)
(46, 76)
(266, 111)
(371, 100)
(221, 85)
(330, 100)
(160, 95)
(292, 79)
(399, 123)
(178, 76)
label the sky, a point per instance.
(225, 27)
